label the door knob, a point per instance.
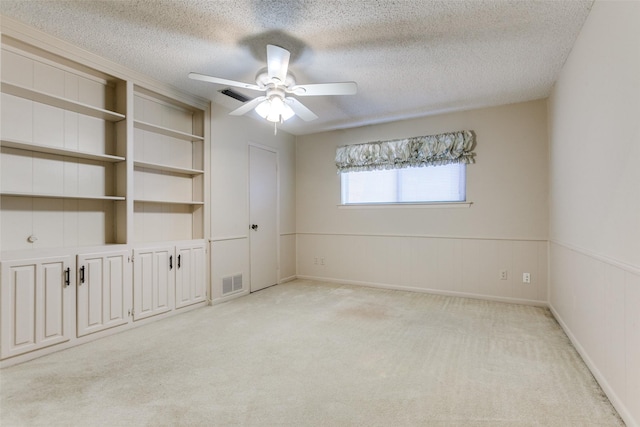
(254, 227)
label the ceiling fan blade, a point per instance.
(247, 106)
(210, 79)
(344, 88)
(277, 62)
(301, 111)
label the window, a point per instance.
(446, 183)
(419, 169)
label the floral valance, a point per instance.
(431, 150)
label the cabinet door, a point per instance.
(36, 304)
(104, 281)
(190, 275)
(153, 281)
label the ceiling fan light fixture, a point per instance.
(277, 82)
(274, 110)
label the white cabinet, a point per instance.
(190, 275)
(153, 281)
(168, 277)
(103, 291)
(93, 167)
(35, 299)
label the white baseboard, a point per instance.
(229, 297)
(429, 291)
(288, 279)
(604, 384)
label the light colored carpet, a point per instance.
(315, 354)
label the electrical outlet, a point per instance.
(322, 261)
(526, 278)
(503, 274)
(315, 260)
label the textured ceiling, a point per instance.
(410, 58)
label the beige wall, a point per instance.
(594, 114)
(448, 250)
(594, 128)
(507, 185)
(231, 137)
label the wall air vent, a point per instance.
(237, 282)
(227, 285)
(231, 284)
(235, 95)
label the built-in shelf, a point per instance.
(60, 151)
(166, 131)
(169, 202)
(56, 101)
(167, 168)
(59, 196)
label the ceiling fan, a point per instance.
(277, 82)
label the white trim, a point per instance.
(287, 279)
(424, 236)
(424, 205)
(226, 238)
(428, 291)
(37, 253)
(600, 378)
(230, 297)
(620, 264)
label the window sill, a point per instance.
(426, 205)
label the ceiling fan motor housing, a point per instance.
(263, 80)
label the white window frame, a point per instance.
(393, 199)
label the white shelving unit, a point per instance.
(63, 137)
(97, 168)
(168, 168)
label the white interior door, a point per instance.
(263, 217)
